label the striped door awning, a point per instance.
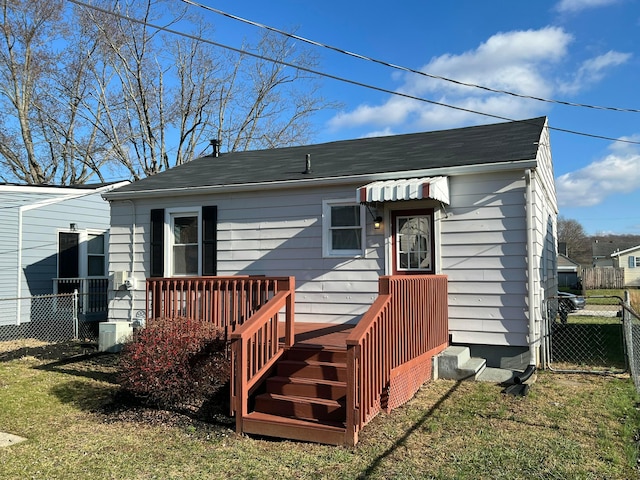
(436, 188)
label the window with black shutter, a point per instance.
(209, 240)
(157, 242)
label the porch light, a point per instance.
(377, 219)
(73, 227)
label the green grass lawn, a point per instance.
(568, 427)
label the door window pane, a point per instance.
(68, 260)
(413, 243)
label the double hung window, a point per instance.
(343, 228)
(183, 241)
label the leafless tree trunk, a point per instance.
(120, 94)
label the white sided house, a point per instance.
(629, 259)
(53, 240)
(475, 204)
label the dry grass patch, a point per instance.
(635, 299)
(569, 426)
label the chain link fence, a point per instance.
(585, 335)
(46, 318)
(632, 342)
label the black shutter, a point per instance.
(157, 242)
(68, 251)
(209, 240)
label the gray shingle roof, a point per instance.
(484, 144)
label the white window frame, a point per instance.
(327, 247)
(83, 250)
(170, 215)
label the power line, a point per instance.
(334, 77)
(402, 68)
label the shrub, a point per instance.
(175, 362)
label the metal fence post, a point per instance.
(75, 314)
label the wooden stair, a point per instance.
(305, 397)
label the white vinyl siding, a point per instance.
(277, 233)
(483, 246)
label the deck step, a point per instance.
(456, 363)
(312, 369)
(305, 408)
(307, 387)
(259, 423)
(318, 354)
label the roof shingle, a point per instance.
(477, 145)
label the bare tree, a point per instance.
(176, 93)
(578, 243)
(45, 138)
(117, 93)
(26, 60)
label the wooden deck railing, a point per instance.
(255, 347)
(388, 352)
(225, 301)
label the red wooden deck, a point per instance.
(316, 382)
(319, 334)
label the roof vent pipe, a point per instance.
(214, 146)
(307, 164)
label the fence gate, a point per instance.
(46, 318)
(585, 338)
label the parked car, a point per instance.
(567, 303)
(571, 301)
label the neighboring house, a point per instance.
(603, 248)
(477, 204)
(568, 275)
(53, 240)
(629, 259)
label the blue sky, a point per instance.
(577, 51)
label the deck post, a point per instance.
(352, 411)
(289, 335)
(240, 377)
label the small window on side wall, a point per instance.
(343, 225)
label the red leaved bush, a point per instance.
(175, 362)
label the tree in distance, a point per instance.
(87, 94)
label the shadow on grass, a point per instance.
(101, 366)
(399, 443)
(50, 351)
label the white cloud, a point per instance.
(593, 70)
(618, 172)
(573, 6)
(512, 61)
(527, 62)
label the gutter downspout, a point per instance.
(133, 256)
(19, 264)
(533, 356)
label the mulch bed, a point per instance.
(210, 416)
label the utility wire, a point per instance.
(334, 77)
(402, 68)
